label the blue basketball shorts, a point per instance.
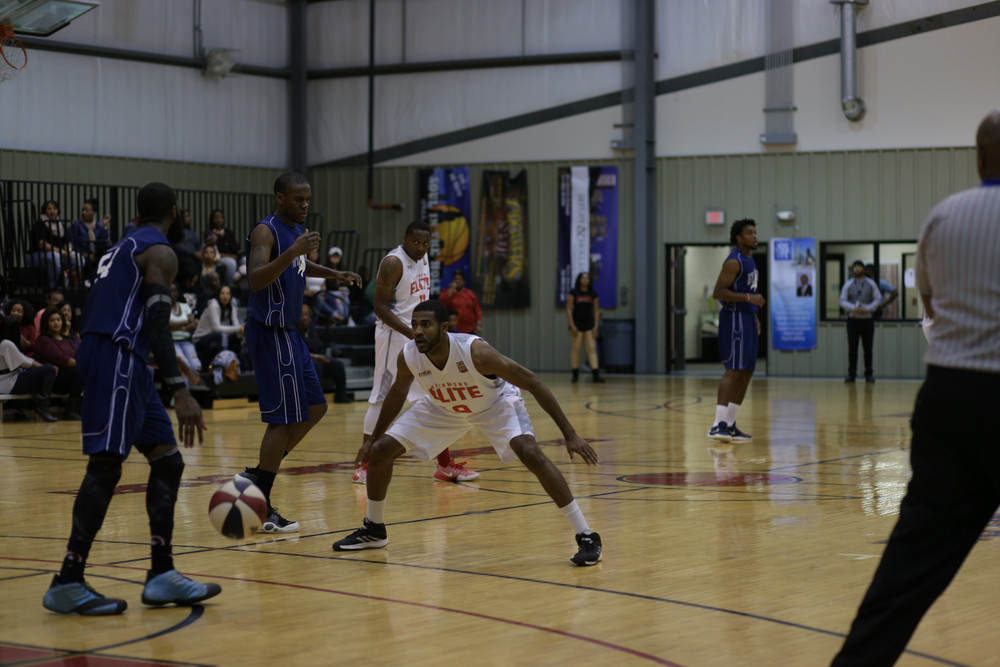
(121, 407)
(287, 383)
(738, 340)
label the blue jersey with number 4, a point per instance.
(115, 305)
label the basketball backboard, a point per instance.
(41, 18)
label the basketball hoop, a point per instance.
(13, 56)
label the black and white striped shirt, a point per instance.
(864, 293)
(958, 266)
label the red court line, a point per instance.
(422, 605)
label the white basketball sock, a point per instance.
(720, 414)
(376, 511)
(575, 516)
(731, 413)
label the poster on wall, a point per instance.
(501, 265)
(793, 293)
(445, 205)
(588, 231)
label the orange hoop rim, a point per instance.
(7, 32)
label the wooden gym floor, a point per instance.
(753, 554)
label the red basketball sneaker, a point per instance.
(455, 472)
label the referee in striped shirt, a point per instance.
(955, 488)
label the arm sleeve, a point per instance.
(157, 328)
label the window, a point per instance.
(894, 262)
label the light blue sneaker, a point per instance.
(173, 587)
(77, 597)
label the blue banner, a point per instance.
(588, 231)
(446, 205)
(792, 299)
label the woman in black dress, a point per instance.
(584, 313)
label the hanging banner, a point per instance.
(588, 231)
(501, 265)
(793, 294)
(445, 205)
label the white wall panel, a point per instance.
(910, 87)
(258, 29)
(409, 107)
(458, 29)
(337, 33)
(571, 26)
(694, 35)
(101, 106)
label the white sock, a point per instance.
(575, 516)
(731, 413)
(376, 511)
(720, 414)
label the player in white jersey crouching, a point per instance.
(465, 383)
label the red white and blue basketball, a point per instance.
(238, 509)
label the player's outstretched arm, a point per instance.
(314, 270)
(390, 271)
(159, 266)
(490, 362)
(393, 403)
(261, 269)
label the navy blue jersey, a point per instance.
(745, 283)
(115, 306)
(280, 304)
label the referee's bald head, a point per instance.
(988, 146)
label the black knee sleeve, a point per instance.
(161, 491)
(103, 473)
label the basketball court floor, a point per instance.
(749, 554)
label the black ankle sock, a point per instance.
(265, 482)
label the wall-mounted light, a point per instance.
(786, 217)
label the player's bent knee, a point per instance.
(385, 448)
(528, 452)
(105, 468)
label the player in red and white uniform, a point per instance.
(403, 281)
(465, 383)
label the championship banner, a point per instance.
(445, 205)
(792, 300)
(501, 265)
(588, 231)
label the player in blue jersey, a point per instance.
(290, 396)
(739, 328)
(126, 318)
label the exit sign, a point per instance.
(715, 217)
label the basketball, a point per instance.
(454, 235)
(237, 509)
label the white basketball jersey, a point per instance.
(459, 387)
(414, 285)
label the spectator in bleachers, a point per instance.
(462, 299)
(21, 375)
(360, 306)
(333, 258)
(89, 236)
(210, 263)
(50, 246)
(69, 330)
(207, 287)
(182, 324)
(227, 245)
(21, 312)
(60, 351)
(326, 366)
(53, 297)
(314, 285)
(191, 243)
(218, 328)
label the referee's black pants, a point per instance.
(954, 492)
(862, 329)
